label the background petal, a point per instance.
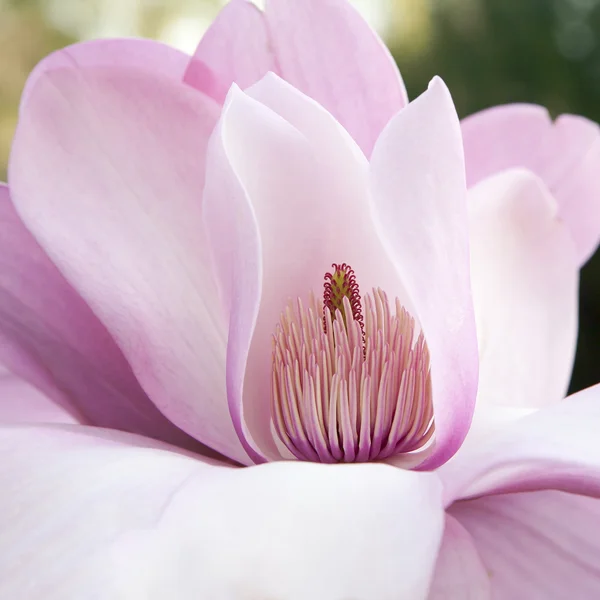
(107, 172)
(553, 448)
(326, 50)
(565, 154)
(129, 519)
(459, 572)
(301, 187)
(524, 277)
(542, 544)
(235, 49)
(50, 338)
(20, 402)
(419, 199)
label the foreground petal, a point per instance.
(542, 544)
(326, 50)
(419, 198)
(235, 49)
(50, 338)
(107, 172)
(524, 278)
(20, 402)
(555, 447)
(129, 519)
(565, 154)
(459, 572)
(298, 188)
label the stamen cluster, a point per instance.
(348, 391)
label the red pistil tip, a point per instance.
(339, 285)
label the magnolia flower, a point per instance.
(249, 308)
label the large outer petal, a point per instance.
(554, 448)
(124, 518)
(419, 197)
(524, 277)
(459, 573)
(565, 154)
(539, 545)
(145, 55)
(235, 49)
(20, 402)
(325, 49)
(107, 171)
(284, 199)
(50, 337)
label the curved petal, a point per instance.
(148, 56)
(524, 277)
(542, 544)
(128, 519)
(235, 49)
(419, 200)
(326, 50)
(459, 572)
(302, 192)
(555, 447)
(565, 154)
(20, 402)
(504, 137)
(107, 171)
(50, 338)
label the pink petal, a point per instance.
(419, 197)
(524, 277)
(50, 338)
(144, 55)
(284, 200)
(326, 50)
(459, 572)
(565, 154)
(20, 402)
(542, 544)
(235, 49)
(555, 447)
(127, 518)
(107, 171)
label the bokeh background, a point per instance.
(488, 52)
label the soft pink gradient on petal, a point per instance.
(50, 338)
(564, 153)
(488, 419)
(504, 137)
(235, 49)
(107, 171)
(147, 56)
(524, 277)
(556, 447)
(419, 200)
(459, 573)
(234, 241)
(542, 544)
(326, 50)
(131, 519)
(71, 492)
(304, 188)
(20, 402)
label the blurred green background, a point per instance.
(488, 52)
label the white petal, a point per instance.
(90, 513)
(524, 278)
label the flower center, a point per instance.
(348, 389)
